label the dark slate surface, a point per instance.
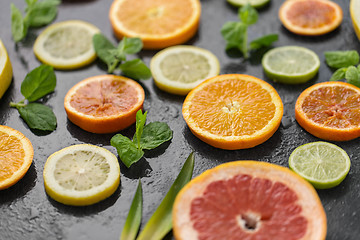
(26, 212)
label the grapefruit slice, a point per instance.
(249, 200)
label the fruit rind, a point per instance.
(254, 3)
(355, 4)
(7, 73)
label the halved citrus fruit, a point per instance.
(104, 103)
(159, 23)
(310, 17)
(355, 15)
(66, 45)
(81, 175)
(248, 200)
(330, 111)
(179, 69)
(5, 70)
(254, 3)
(233, 111)
(16, 155)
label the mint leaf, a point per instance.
(126, 149)
(38, 83)
(248, 14)
(155, 134)
(135, 69)
(233, 33)
(106, 51)
(18, 27)
(264, 41)
(41, 13)
(338, 74)
(339, 59)
(38, 116)
(130, 45)
(352, 76)
(140, 123)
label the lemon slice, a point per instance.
(5, 70)
(179, 69)
(355, 15)
(81, 175)
(66, 45)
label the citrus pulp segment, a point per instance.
(81, 175)
(16, 156)
(104, 103)
(233, 111)
(66, 45)
(159, 23)
(355, 15)
(6, 71)
(310, 17)
(330, 111)
(323, 164)
(249, 200)
(179, 69)
(291, 64)
(254, 3)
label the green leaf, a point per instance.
(130, 45)
(155, 134)
(18, 27)
(140, 123)
(248, 14)
(133, 220)
(41, 13)
(264, 41)
(38, 83)
(338, 74)
(105, 50)
(352, 76)
(38, 116)
(135, 69)
(339, 59)
(127, 150)
(234, 34)
(160, 222)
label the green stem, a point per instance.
(113, 66)
(18, 105)
(245, 45)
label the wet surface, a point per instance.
(28, 213)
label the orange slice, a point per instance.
(310, 17)
(16, 155)
(249, 200)
(233, 111)
(159, 23)
(104, 104)
(330, 111)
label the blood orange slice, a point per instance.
(248, 200)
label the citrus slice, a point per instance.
(16, 155)
(254, 3)
(330, 111)
(249, 200)
(323, 164)
(5, 70)
(233, 111)
(355, 16)
(81, 175)
(104, 103)
(179, 69)
(66, 45)
(159, 23)
(291, 64)
(310, 17)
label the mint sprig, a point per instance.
(37, 14)
(236, 33)
(37, 84)
(116, 57)
(146, 137)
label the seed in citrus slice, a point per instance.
(5, 70)
(159, 23)
(66, 45)
(355, 15)
(254, 3)
(323, 164)
(104, 103)
(233, 111)
(330, 111)
(81, 175)
(16, 155)
(290, 64)
(310, 17)
(179, 69)
(248, 200)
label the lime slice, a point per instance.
(355, 15)
(254, 3)
(291, 64)
(5, 70)
(323, 164)
(180, 68)
(66, 45)
(81, 175)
